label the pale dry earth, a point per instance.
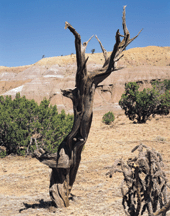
(24, 182)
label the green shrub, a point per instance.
(108, 118)
(2, 153)
(140, 105)
(22, 119)
(165, 84)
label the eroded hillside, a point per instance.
(48, 76)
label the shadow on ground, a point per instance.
(42, 204)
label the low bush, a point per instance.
(140, 105)
(108, 118)
(22, 119)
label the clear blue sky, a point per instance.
(32, 28)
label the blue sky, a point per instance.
(32, 28)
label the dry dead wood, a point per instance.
(65, 162)
(145, 183)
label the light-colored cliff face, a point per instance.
(46, 77)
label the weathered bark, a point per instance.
(144, 187)
(65, 162)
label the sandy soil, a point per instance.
(24, 181)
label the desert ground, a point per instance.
(24, 181)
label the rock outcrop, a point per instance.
(46, 77)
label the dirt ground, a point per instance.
(24, 181)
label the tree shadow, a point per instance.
(42, 204)
(49, 205)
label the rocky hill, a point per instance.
(46, 77)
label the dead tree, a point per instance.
(144, 185)
(65, 162)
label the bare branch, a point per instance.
(138, 191)
(70, 27)
(163, 210)
(68, 93)
(105, 54)
(85, 45)
(126, 32)
(114, 168)
(117, 59)
(47, 159)
(119, 47)
(77, 44)
(126, 40)
(111, 63)
(130, 40)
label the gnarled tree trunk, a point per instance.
(65, 162)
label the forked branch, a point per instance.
(105, 54)
(119, 47)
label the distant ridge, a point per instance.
(48, 76)
(150, 55)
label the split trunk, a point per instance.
(65, 162)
